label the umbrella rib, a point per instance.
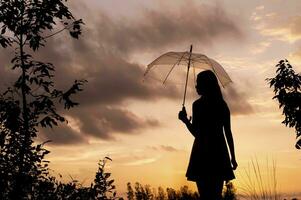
(200, 57)
(149, 66)
(177, 63)
(157, 79)
(202, 62)
(166, 54)
(175, 55)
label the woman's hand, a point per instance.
(183, 115)
(234, 164)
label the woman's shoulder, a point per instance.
(197, 102)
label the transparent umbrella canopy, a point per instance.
(174, 67)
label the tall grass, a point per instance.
(257, 184)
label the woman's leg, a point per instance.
(210, 190)
(217, 187)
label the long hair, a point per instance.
(207, 85)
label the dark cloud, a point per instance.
(118, 80)
(237, 101)
(7, 77)
(192, 24)
(61, 135)
(168, 148)
(104, 54)
(102, 121)
(112, 78)
(98, 122)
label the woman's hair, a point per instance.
(207, 85)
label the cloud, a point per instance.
(157, 29)
(237, 101)
(141, 162)
(295, 59)
(97, 122)
(278, 28)
(118, 80)
(104, 121)
(261, 7)
(61, 135)
(296, 55)
(260, 47)
(104, 55)
(7, 76)
(167, 148)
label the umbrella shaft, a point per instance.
(187, 76)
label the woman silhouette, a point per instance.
(210, 163)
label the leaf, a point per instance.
(4, 42)
(3, 30)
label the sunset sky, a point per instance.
(134, 122)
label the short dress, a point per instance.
(209, 159)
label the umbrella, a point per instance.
(171, 61)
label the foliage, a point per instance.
(130, 192)
(141, 192)
(287, 89)
(229, 192)
(31, 101)
(102, 188)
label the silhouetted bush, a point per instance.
(229, 192)
(103, 188)
(141, 192)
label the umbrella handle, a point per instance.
(184, 110)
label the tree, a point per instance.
(31, 102)
(130, 192)
(287, 89)
(104, 188)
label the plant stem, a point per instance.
(25, 132)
